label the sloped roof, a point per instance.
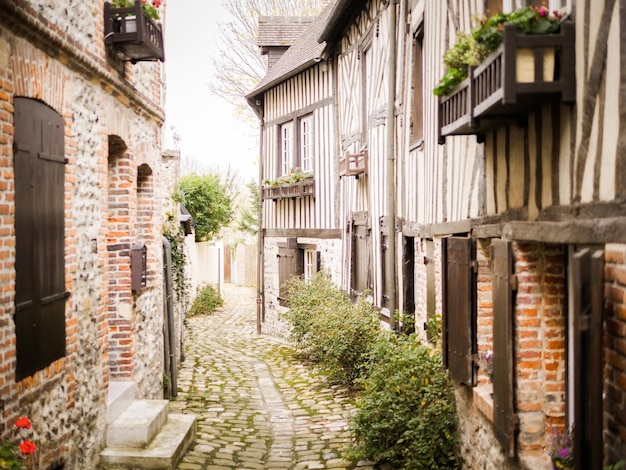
(339, 18)
(281, 31)
(298, 57)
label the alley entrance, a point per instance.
(257, 406)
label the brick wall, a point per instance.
(66, 401)
(615, 352)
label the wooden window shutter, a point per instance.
(361, 260)
(503, 336)
(39, 166)
(460, 321)
(290, 263)
(387, 282)
(587, 273)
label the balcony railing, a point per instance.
(521, 75)
(288, 190)
(353, 164)
(130, 31)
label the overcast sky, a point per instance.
(207, 126)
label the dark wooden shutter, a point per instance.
(503, 336)
(460, 312)
(408, 288)
(587, 273)
(361, 265)
(40, 239)
(290, 263)
(387, 282)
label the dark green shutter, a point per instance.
(40, 239)
(587, 273)
(290, 263)
(460, 317)
(503, 338)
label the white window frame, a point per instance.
(310, 264)
(307, 133)
(286, 148)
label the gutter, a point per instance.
(390, 260)
(260, 279)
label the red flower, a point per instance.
(156, 3)
(22, 422)
(27, 447)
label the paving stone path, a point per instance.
(258, 407)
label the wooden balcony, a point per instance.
(524, 73)
(353, 164)
(288, 190)
(133, 33)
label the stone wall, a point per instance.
(330, 261)
(54, 52)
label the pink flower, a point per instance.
(27, 447)
(543, 11)
(22, 422)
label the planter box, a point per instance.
(299, 189)
(353, 164)
(130, 31)
(524, 73)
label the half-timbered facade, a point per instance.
(499, 207)
(299, 218)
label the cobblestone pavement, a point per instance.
(257, 406)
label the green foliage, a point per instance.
(149, 8)
(472, 49)
(208, 201)
(406, 411)
(248, 219)
(11, 457)
(176, 237)
(207, 300)
(615, 466)
(433, 326)
(295, 175)
(328, 329)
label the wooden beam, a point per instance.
(303, 233)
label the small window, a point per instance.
(416, 127)
(286, 148)
(311, 263)
(306, 143)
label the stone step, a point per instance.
(121, 395)
(164, 452)
(137, 425)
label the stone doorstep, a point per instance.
(137, 425)
(164, 452)
(120, 396)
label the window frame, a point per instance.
(416, 125)
(306, 144)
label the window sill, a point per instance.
(483, 399)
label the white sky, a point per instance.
(207, 126)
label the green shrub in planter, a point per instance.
(406, 412)
(207, 300)
(329, 330)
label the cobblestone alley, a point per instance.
(257, 406)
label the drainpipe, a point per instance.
(260, 304)
(391, 165)
(171, 326)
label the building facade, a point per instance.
(81, 246)
(498, 208)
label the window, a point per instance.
(416, 127)
(306, 143)
(286, 148)
(366, 78)
(297, 152)
(295, 260)
(40, 236)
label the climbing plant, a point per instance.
(174, 234)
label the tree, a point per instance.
(248, 218)
(238, 65)
(208, 201)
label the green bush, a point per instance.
(329, 330)
(207, 300)
(406, 411)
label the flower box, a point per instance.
(525, 72)
(132, 32)
(353, 164)
(290, 190)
